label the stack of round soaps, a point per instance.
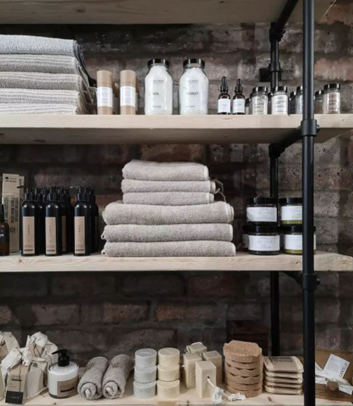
(145, 374)
(243, 368)
(168, 385)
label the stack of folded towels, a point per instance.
(168, 209)
(43, 76)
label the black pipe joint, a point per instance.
(310, 281)
(309, 128)
(275, 34)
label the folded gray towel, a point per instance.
(165, 171)
(90, 385)
(174, 232)
(119, 213)
(168, 199)
(170, 249)
(38, 109)
(115, 378)
(138, 186)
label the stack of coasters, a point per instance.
(243, 368)
(283, 375)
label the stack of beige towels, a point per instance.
(168, 209)
(41, 75)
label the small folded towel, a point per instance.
(90, 385)
(168, 199)
(119, 213)
(39, 109)
(175, 232)
(115, 378)
(170, 249)
(139, 186)
(165, 171)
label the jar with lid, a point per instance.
(263, 240)
(279, 102)
(291, 210)
(193, 88)
(332, 99)
(261, 210)
(319, 101)
(158, 88)
(299, 100)
(293, 239)
(291, 103)
(259, 101)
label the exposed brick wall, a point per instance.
(109, 313)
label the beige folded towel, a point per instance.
(39, 109)
(117, 374)
(139, 186)
(119, 213)
(165, 171)
(90, 385)
(175, 232)
(170, 249)
(168, 199)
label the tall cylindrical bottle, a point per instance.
(105, 97)
(64, 217)
(39, 199)
(82, 224)
(29, 226)
(53, 225)
(70, 221)
(128, 92)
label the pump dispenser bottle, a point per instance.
(224, 99)
(53, 237)
(64, 218)
(82, 223)
(238, 99)
(4, 234)
(38, 197)
(30, 233)
(63, 377)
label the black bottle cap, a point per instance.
(290, 200)
(299, 89)
(294, 229)
(319, 93)
(279, 89)
(194, 61)
(335, 86)
(29, 195)
(239, 87)
(224, 85)
(258, 89)
(261, 200)
(52, 195)
(161, 61)
(2, 213)
(81, 194)
(63, 358)
(259, 229)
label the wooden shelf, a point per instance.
(47, 129)
(148, 11)
(241, 262)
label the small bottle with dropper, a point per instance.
(224, 99)
(238, 99)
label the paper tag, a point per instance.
(16, 383)
(3, 351)
(336, 367)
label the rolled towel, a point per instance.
(168, 199)
(174, 232)
(138, 186)
(170, 249)
(165, 171)
(90, 385)
(115, 378)
(119, 213)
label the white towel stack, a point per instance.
(168, 209)
(43, 76)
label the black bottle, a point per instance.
(38, 197)
(64, 217)
(95, 236)
(224, 102)
(30, 232)
(238, 99)
(82, 223)
(4, 234)
(53, 238)
(70, 222)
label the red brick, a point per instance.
(50, 314)
(245, 311)
(172, 152)
(21, 286)
(338, 69)
(83, 285)
(221, 285)
(186, 312)
(115, 312)
(152, 285)
(5, 315)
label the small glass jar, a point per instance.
(332, 99)
(291, 103)
(291, 210)
(319, 101)
(245, 237)
(261, 210)
(259, 101)
(247, 106)
(263, 240)
(293, 239)
(279, 102)
(299, 100)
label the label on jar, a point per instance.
(294, 242)
(291, 213)
(80, 235)
(261, 214)
(105, 97)
(28, 235)
(63, 233)
(50, 236)
(128, 96)
(279, 104)
(265, 243)
(157, 97)
(68, 388)
(259, 105)
(332, 103)
(224, 106)
(239, 106)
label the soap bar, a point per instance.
(196, 348)
(145, 358)
(168, 390)
(145, 375)
(189, 369)
(169, 357)
(216, 358)
(144, 390)
(204, 370)
(168, 374)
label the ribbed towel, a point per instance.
(165, 171)
(115, 378)
(170, 249)
(138, 186)
(90, 385)
(119, 213)
(39, 109)
(168, 199)
(175, 232)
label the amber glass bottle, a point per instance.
(4, 234)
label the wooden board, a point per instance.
(241, 262)
(213, 129)
(148, 11)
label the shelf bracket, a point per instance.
(303, 282)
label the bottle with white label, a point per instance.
(332, 99)
(82, 223)
(238, 99)
(279, 100)
(261, 210)
(105, 96)
(128, 92)
(224, 100)
(291, 210)
(259, 101)
(53, 225)
(29, 226)
(263, 240)
(63, 377)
